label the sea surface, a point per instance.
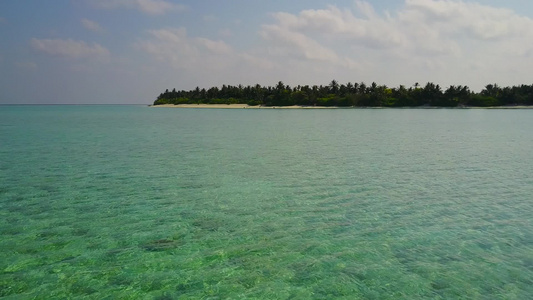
(133, 202)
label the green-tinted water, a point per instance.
(124, 202)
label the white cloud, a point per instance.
(428, 24)
(216, 47)
(315, 35)
(69, 48)
(172, 45)
(153, 7)
(91, 25)
(286, 42)
(199, 61)
(444, 41)
(342, 24)
(457, 17)
(425, 38)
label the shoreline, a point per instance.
(226, 106)
(241, 106)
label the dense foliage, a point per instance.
(352, 94)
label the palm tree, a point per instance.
(333, 87)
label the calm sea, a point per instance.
(132, 202)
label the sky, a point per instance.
(129, 51)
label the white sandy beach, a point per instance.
(240, 106)
(328, 107)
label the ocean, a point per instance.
(134, 202)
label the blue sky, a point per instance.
(128, 51)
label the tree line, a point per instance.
(352, 94)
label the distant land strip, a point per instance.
(347, 95)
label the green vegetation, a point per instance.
(352, 94)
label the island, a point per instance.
(347, 95)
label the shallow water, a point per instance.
(137, 202)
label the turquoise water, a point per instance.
(132, 202)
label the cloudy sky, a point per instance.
(128, 51)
